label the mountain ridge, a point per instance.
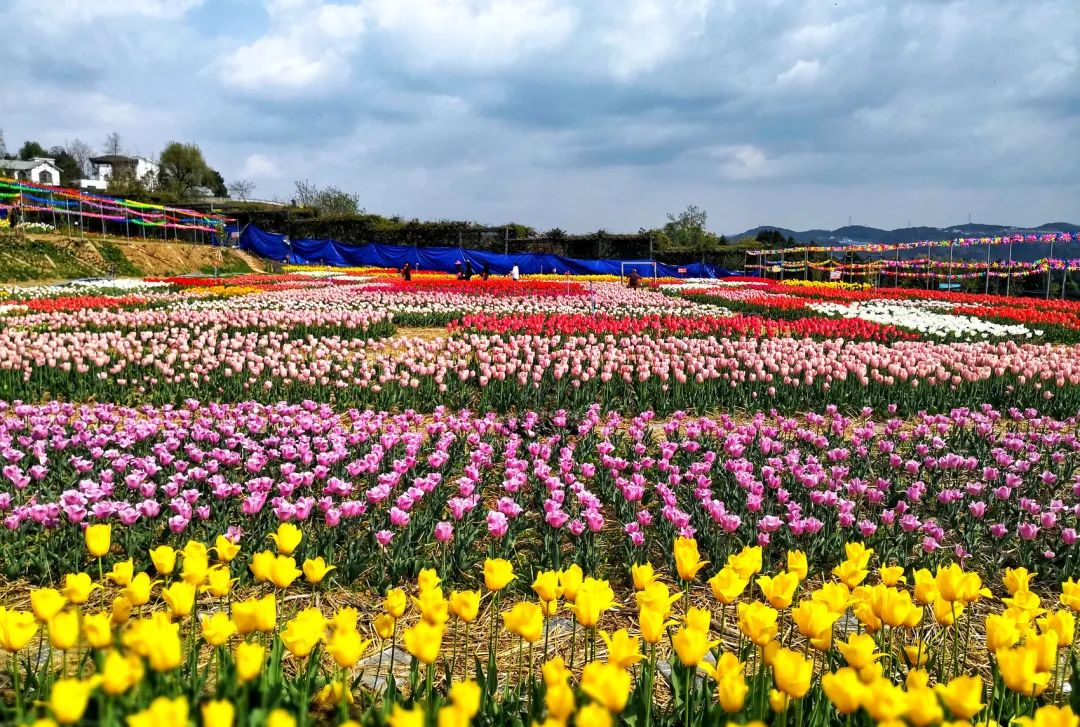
(860, 233)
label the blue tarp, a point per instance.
(445, 259)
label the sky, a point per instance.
(580, 114)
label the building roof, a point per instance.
(18, 165)
(119, 159)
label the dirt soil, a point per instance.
(169, 258)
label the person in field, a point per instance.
(406, 271)
(634, 280)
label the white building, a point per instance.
(108, 166)
(40, 170)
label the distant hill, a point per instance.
(859, 233)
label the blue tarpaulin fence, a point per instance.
(444, 259)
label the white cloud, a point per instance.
(259, 166)
(646, 33)
(73, 12)
(802, 73)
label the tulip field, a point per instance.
(329, 497)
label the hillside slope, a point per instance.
(55, 257)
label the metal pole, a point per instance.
(988, 245)
(506, 241)
(781, 263)
(651, 248)
(951, 244)
(1008, 280)
(80, 218)
(896, 273)
(805, 264)
(928, 265)
(1049, 266)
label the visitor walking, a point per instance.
(515, 274)
(406, 271)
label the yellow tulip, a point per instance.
(1070, 594)
(250, 657)
(570, 580)
(858, 553)
(797, 564)
(195, 550)
(46, 603)
(137, 592)
(98, 539)
(1045, 646)
(653, 625)
(606, 684)
(731, 692)
(642, 575)
(546, 585)
(758, 622)
(916, 656)
(894, 607)
(225, 549)
(623, 649)
(792, 673)
(593, 715)
(78, 587)
(345, 619)
(287, 538)
(162, 646)
(218, 628)
(98, 629)
(1049, 715)
(257, 614)
(315, 569)
(498, 573)
(69, 698)
(526, 620)
(385, 625)
(423, 641)
(427, 580)
(162, 712)
(218, 583)
(850, 573)
(281, 718)
(747, 562)
(962, 696)
(64, 630)
(1017, 579)
(180, 597)
(956, 584)
(834, 596)
(283, 571)
(333, 694)
(815, 622)
(779, 590)
(554, 671)
(778, 701)
(465, 605)
(844, 689)
(164, 559)
(891, 575)
(656, 597)
(1019, 670)
(122, 572)
(697, 619)
(261, 565)
(926, 589)
(727, 585)
(691, 645)
(402, 717)
(346, 647)
(859, 651)
(303, 631)
(196, 569)
(16, 629)
(395, 602)
(1024, 606)
(434, 608)
(466, 696)
(886, 702)
(120, 673)
(923, 708)
(218, 713)
(593, 599)
(559, 701)
(1062, 623)
(687, 559)
(120, 611)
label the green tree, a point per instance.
(31, 149)
(183, 169)
(327, 200)
(216, 183)
(70, 172)
(686, 232)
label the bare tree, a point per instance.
(329, 200)
(81, 152)
(3, 145)
(113, 144)
(241, 189)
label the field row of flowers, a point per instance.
(762, 638)
(521, 371)
(377, 492)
